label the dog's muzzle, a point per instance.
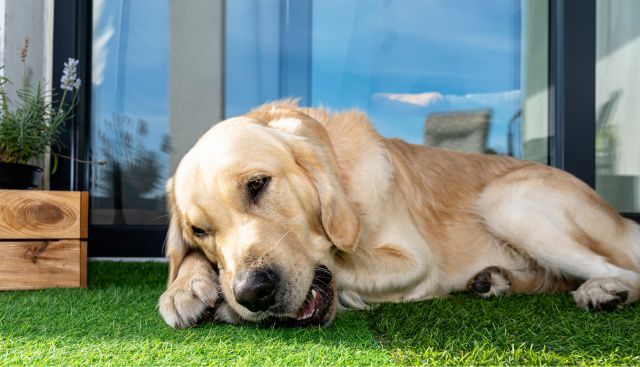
(257, 289)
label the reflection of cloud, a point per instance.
(434, 98)
(485, 98)
(418, 99)
(100, 39)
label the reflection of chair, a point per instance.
(618, 189)
(606, 135)
(459, 130)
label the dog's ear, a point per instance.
(339, 219)
(176, 247)
(313, 152)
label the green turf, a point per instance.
(115, 322)
(516, 330)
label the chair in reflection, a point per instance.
(465, 131)
(617, 188)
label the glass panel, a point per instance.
(156, 89)
(617, 97)
(129, 111)
(457, 74)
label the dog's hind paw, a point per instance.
(490, 281)
(602, 294)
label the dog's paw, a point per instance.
(491, 281)
(190, 300)
(602, 294)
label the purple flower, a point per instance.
(70, 80)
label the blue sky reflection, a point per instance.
(398, 60)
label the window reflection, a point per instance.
(129, 127)
(457, 74)
(617, 96)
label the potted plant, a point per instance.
(31, 124)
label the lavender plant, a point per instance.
(32, 123)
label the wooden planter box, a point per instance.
(43, 239)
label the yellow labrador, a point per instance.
(287, 214)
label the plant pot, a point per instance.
(19, 176)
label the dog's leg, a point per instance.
(563, 226)
(195, 295)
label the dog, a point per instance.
(286, 215)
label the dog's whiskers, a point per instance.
(324, 295)
(320, 290)
(278, 242)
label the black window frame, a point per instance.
(572, 116)
(72, 37)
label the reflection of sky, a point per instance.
(130, 68)
(383, 56)
(363, 51)
(465, 52)
(135, 77)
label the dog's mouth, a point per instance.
(317, 307)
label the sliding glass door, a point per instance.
(503, 77)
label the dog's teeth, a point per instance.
(306, 315)
(309, 307)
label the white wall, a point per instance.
(32, 18)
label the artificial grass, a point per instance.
(515, 330)
(115, 322)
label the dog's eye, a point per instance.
(256, 186)
(198, 232)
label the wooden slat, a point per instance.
(84, 214)
(83, 264)
(31, 214)
(40, 264)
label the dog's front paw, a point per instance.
(190, 300)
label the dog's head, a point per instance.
(260, 195)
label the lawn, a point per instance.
(115, 322)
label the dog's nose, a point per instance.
(256, 289)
